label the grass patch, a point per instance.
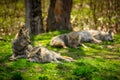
(97, 62)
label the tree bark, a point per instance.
(34, 16)
(59, 15)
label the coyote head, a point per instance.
(22, 38)
(73, 39)
(107, 36)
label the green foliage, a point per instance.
(84, 71)
(43, 78)
(11, 16)
(97, 62)
(17, 76)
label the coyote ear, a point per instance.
(20, 32)
(23, 27)
(110, 31)
(27, 31)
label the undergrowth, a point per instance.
(97, 62)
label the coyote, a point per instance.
(45, 55)
(71, 39)
(95, 36)
(20, 44)
(22, 47)
(74, 39)
(59, 41)
(77, 38)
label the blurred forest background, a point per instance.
(85, 14)
(97, 62)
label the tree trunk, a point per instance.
(59, 15)
(34, 16)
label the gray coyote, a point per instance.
(76, 38)
(22, 48)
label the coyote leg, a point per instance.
(96, 41)
(84, 46)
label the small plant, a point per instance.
(85, 71)
(43, 78)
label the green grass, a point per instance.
(97, 62)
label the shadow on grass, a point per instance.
(87, 71)
(75, 53)
(17, 76)
(68, 71)
(13, 76)
(4, 58)
(14, 70)
(105, 51)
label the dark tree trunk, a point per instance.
(34, 16)
(93, 8)
(59, 15)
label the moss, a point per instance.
(96, 62)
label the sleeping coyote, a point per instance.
(95, 36)
(45, 55)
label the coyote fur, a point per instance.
(66, 40)
(74, 39)
(45, 55)
(22, 47)
(95, 36)
(20, 44)
(59, 41)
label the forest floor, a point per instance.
(97, 62)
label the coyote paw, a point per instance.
(12, 58)
(65, 47)
(84, 46)
(98, 41)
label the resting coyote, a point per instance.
(20, 44)
(95, 36)
(71, 39)
(59, 41)
(45, 55)
(74, 39)
(22, 48)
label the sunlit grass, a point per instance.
(97, 62)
